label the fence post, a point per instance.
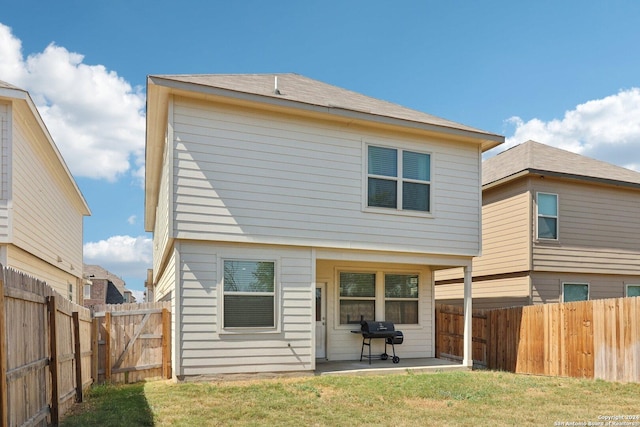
(53, 361)
(107, 346)
(4, 407)
(78, 354)
(166, 343)
(95, 332)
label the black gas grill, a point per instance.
(385, 330)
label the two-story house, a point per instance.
(104, 287)
(284, 210)
(557, 227)
(41, 206)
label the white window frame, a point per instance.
(577, 284)
(411, 299)
(86, 287)
(250, 329)
(70, 286)
(399, 179)
(340, 298)
(379, 298)
(556, 217)
(628, 285)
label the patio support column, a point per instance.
(467, 359)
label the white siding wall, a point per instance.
(165, 291)
(206, 349)
(45, 221)
(245, 176)
(161, 228)
(5, 133)
(344, 345)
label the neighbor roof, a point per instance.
(300, 89)
(534, 157)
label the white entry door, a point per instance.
(321, 321)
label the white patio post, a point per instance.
(467, 359)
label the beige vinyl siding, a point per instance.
(506, 235)
(46, 220)
(344, 345)
(599, 230)
(246, 176)
(206, 349)
(505, 231)
(547, 287)
(498, 292)
(56, 278)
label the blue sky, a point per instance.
(563, 73)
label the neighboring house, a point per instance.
(104, 287)
(41, 207)
(557, 227)
(284, 210)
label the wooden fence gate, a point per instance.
(132, 342)
(51, 349)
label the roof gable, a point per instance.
(534, 157)
(297, 88)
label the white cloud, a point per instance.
(95, 117)
(132, 219)
(606, 129)
(124, 256)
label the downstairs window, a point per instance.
(249, 294)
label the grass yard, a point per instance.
(448, 398)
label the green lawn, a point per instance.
(448, 398)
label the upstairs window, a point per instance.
(398, 179)
(547, 216)
(249, 294)
(87, 291)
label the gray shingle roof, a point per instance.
(297, 88)
(536, 157)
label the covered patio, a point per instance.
(380, 367)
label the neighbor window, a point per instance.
(249, 294)
(547, 216)
(633, 291)
(398, 179)
(70, 291)
(87, 291)
(401, 298)
(357, 297)
(575, 292)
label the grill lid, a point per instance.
(371, 326)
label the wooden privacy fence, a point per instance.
(591, 339)
(45, 352)
(50, 349)
(133, 342)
